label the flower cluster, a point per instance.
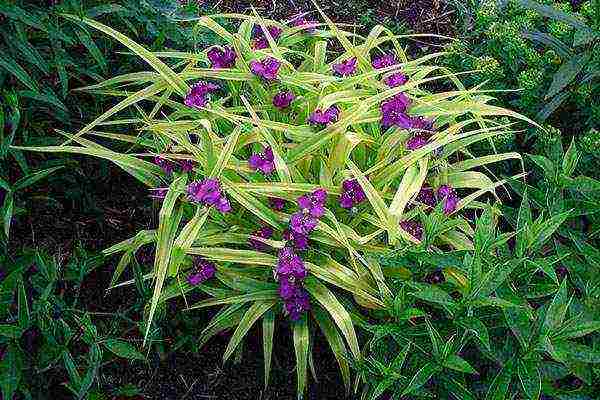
(384, 61)
(263, 162)
(426, 196)
(297, 240)
(198, 95)
(393, 112)
(260, 40)
(266, 69)
(352, 194)
(221, 58)
(290, 273)
(310, 26)
(324, 118)
(414, 228)
(169, 166)
(396, 79)
(312, 207)
(202, 270)
(158, 193)
(208, 192)
(165, 164)
(266, 232)
(449, 198)
(345, 68)
(276, 203)
(282, 100)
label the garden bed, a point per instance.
(117, 206)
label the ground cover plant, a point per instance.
(545, 49)
(50, 346)
(284, 167)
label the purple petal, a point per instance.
(255, 161)
(396, 79)
(223, 205)
(416, 142)
(387, 60)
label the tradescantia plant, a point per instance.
(284, 167)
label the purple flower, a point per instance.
(198, 95)
(416, 142)
(187, 165)
(352, 194)
(276, 203)
(309, 26)
(297, 305)
(166, 165)
(263, 162)
(386, 60)
(208, 192)
(396, 79)
(426, 196)
(298, 240)
(449, 198)
(265, 232)
(290, 265)
(202, 271)
(223, 205)
(420, 123)
(414, 228)
(319, 117)
(221, 58)
(394, 112)
(313, 203)
(345, 68)
(159, 193)
(283, 99)
(287, 288)
(303, 223)
(260, 42)
(267, 69)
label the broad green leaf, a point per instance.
(498, 389)
(123, 349)
(478, 328)
(555, 314)
(530, 379)
(33, 178)
(571, 158)
(15, 69)
(567, 73)
(226, 153)
(459, 364)
(421, 377)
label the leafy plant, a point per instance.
(10, 188)
(295, 122)
(543, 48)
(44, 331)
(499, 321)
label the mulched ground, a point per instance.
(421, 16)
(98, 205)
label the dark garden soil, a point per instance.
(98, 205)
(421, 16)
